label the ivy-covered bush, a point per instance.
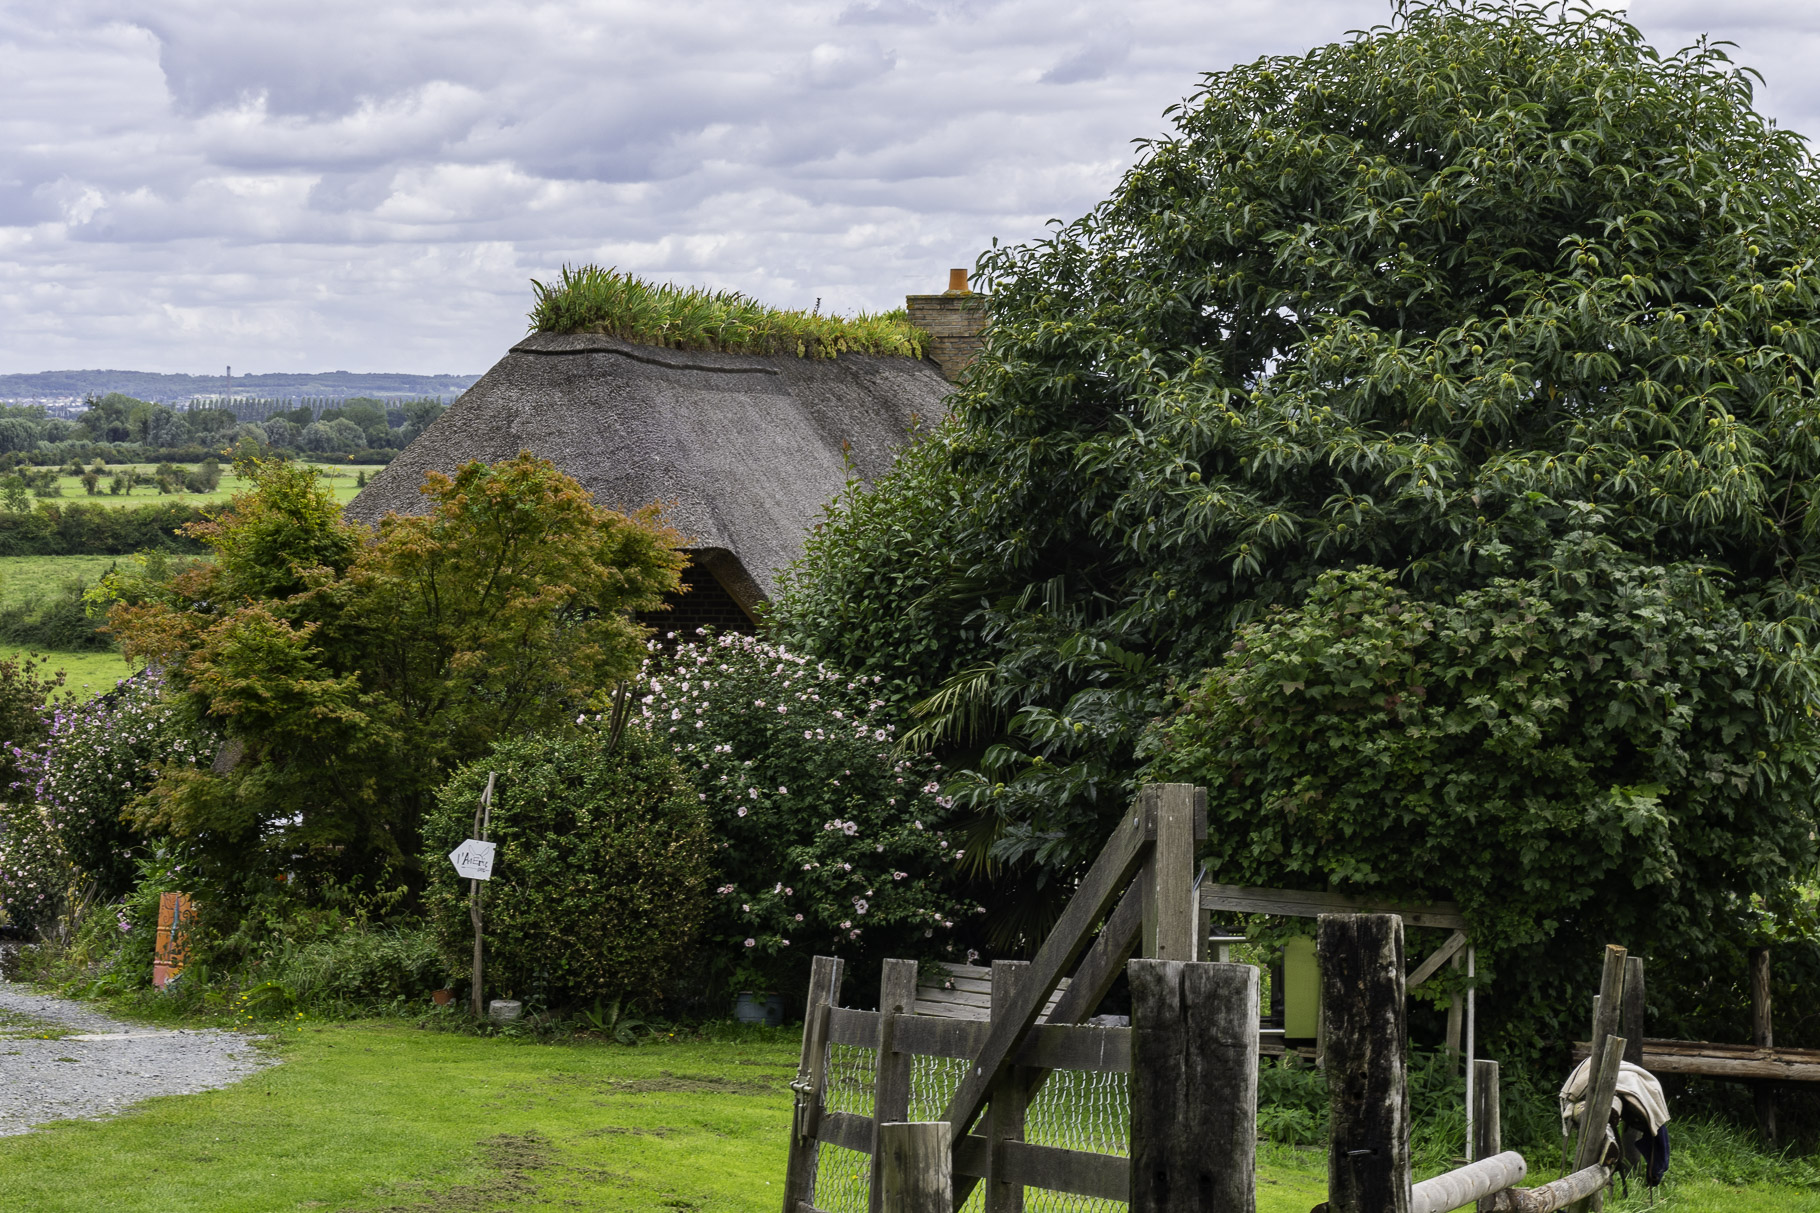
(34, 868)
(1596, 751)
(824, 840)
(600, 880)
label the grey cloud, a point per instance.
(281, 184)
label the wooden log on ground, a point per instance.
(1367, 1033)
(1194, 1073)
(811, 1074)
(913, 1162)
(1468, 1184)
(1487, 1118)
(1551, 1196)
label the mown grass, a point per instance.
(384, 1115)
(85, 674)
(595, 300)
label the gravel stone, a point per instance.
(106, 1065)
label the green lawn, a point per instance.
(87, 674)
(381, 1116)
(343, 479)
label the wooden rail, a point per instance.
(1713, 1060)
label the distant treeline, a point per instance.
(120, 429)
(151, 385)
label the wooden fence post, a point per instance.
(1367, 1043)
(913, 1161)
(891, 1077)
(1762, 1034)
(1194, 1087)
(1168, 875)
(811, 1077)
(1005, 1114)
(1630, 1022)
(1487, 1121)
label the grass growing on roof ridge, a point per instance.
(595, 300)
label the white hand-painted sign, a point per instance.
(473, 859)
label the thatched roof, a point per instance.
(746, 450)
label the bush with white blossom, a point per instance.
(825, 841)
(100, 757)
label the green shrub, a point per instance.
(1589, 753)
(595, 300)
(361, 967)
(600, 879)
(80, 529)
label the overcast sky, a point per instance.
(300, 185)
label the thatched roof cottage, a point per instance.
(745, 450)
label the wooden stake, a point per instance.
(1601, 1084)
(483, 818)
(1487, 1121)
(1631, 1021)
(1005, 1114)
(891, 1078)
(811, 1077)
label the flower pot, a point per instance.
(442, 998)
(764, 1008)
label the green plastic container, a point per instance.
(1301, 990)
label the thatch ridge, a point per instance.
(744, 449)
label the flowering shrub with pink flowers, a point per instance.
(825, 841)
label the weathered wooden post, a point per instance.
(1762, 1035)
(1194, 1087)
(913, 1165)
(1010, 1097)
(891, 1079)
(1170, 912)
(811, 1078)
(1630, 1022)
(1487, 1121)
(1367, 1045)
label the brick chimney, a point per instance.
(954, 321)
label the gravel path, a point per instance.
(102, 1065)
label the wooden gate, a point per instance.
(1160, 1115)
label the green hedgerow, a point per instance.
(600, 879)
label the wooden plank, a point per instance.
(1193, 1087)
(846, 1130)
(1118, 861)
(891, 1075)
(1005, 1114)
(1362, 1003)
(1740, 1062)
(847, 1026)
(1440, 956)
(1602, 1085)
(914, 1160)
(1237, 899)
(1105, 1176)
(811, 1072)
(1168, 877)
(1048, 1046)
(1104, 962)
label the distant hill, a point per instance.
(46, 386)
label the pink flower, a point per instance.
(751, 943)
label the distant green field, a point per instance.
(342, 480)
(23, 577)
(87, 674)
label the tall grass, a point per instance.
(595, 300)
